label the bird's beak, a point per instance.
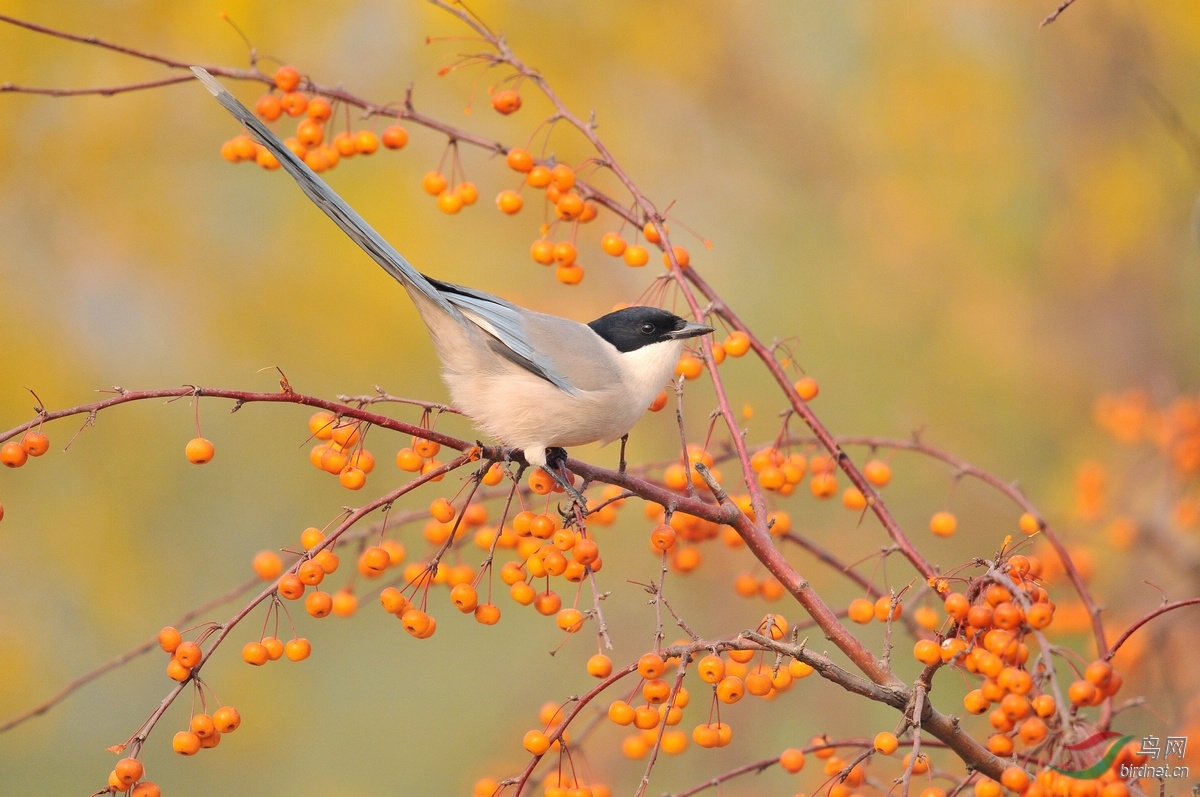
(690, 330)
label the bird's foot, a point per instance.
(556, 459)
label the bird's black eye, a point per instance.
(647, 328)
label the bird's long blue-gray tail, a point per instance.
(324, 197)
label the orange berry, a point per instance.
(563, 177)
(169, 639)
(731, 689)
(506, 101)
(547, 603)
(294, 102)
(198, 451)
(861, 610)
(148, 789)
(128, 770)
(449, 202)
(297, 649)
(807, 388)
(919, 767)
(689, 367)
(569, 207)
(290, 586)
(177, 672)
(570, 620)
(613, 244)
(311, 573)
(957, 605)
(976, 702)
(536, 742)
(681, 257)
(1029, 523)
(226, 719)
(487, 613)
(711, 669)
(321, 424)
(927, 652)
(737, 344)
(662, 538)
(394, 137)
(651, 233)
(318, 604)
(343, 142)
(564, 252)
(542, 252)
(877, 472)
(269, 107)
(599, 666)
(376, 559)
(636, 256)
(538, 177)
(1098, 673)
(651, 666)
(464, 597)
(792, 760)
(886, 743)
(352, 478)
(255, 653)
(943, 524)
(310, 133)
(509, 201)
(823, 485)
(1014, 778)
(853, 499)
(188, 654)
(409, 460)
(1081, 693)
(345, 603)
(926, 618)
(569, 273)
(186, 743)
(35, 443)
(287, 78)
(519, 159)
(366, 142)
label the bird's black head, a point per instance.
(634, 327)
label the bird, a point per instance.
(537, 383)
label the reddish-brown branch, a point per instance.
(1166, 607)
(1063, 6)
(104, 91)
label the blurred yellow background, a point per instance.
(969, 226)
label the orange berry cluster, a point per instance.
(864, 610)
(569, 206)
(341, 452)
(205, 731)
(450, 198)
(185, 655)
(14, 454)
(987, 640)
(730, 680)
(309, 143)
(126, 777)
(419, 457)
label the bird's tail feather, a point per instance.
(324, 197)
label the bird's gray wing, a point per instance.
(507, 325)
(502, 320)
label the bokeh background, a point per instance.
(968, 226)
